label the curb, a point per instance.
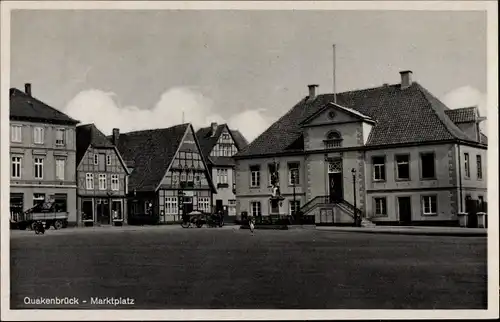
(400, 232)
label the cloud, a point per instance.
(467, 96)
(175, 105)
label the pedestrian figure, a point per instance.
(252, 225)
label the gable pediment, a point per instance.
(332, 113)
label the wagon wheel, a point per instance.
(199, 224)
(185, 224)
(58, 224)
(33, 225)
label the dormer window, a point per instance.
(333, 140)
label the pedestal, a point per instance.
(481, 220)
(462, 219)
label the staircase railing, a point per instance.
(313, 203)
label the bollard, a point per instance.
(462, 219)
(481, 220)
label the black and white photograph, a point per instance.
(249, 160)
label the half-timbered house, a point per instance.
(102, 179)
(219, 143)
(169, 174)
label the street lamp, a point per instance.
(294, 196)
(353, 171)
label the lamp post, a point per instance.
(294, 196)
(354, 193)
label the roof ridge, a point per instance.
(361, 90)
(155, 129)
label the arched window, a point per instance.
(333, 140)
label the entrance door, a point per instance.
(187, 205)
(335, 185)
(116, 210)
(404, 207)
(102, 211)
(218, 205)
(87, 210)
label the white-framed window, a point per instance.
(16, 167)
(115, 183)
(479, 165)
(108, 159)
(254, 176)
(380, 206)
(38, 168)
(293, 207)
(89, 181)
(255, 208)
(16, 133)
(467, 165)
(293, 173)
(38, 198)
(38, 135)
(60, 169)
(102, 181)
(429, 205)
(204, 204)
(378, 168)
(222, 176)
(231, 202)
(403, 167)
(60, 135)
(171, 205)
(183, 176)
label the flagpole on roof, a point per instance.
(334, 80)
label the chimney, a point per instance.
(312, 91)
(116, 136)
(405, 78)
(213, 129)
(27, 89)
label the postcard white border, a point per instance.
(492, 89)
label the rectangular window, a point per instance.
(38, 198)
(294, 173)
(204, 204)
(102, 181)
(467, 165)
(38, 168)
(96, 159)
(38, 135)
(89, 181)
(429, 205)
(108, 159)
(428, 166)
(60, 133)
(380, 206)
(232, 202)
(61, 202)
(16, 167)
(403, 167)
(222, 175)
(16, 133)
(115, 183)
(378, 168)
(294, 207)
(255, 176)
(171, 205)
(60, 169)
(256, 209)
(479, 164)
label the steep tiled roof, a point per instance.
(151, 152)
(462, 115)
(87, 135)
(25, 107)
(409, 115)
(207, 143)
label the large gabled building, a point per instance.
(219, 143)
(102, 179)
(42, 155)
(396, 151)
(169, 175)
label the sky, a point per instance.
(137, 70)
